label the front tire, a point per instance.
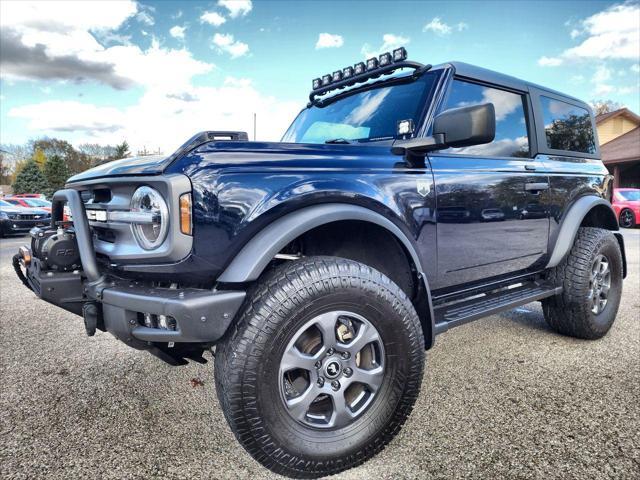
(627, 218)
(591, 277)
(313, 331)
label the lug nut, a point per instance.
(318, 364)
(331, 351)
(335, 385)
(346, 355)
(320, 382)
(347, 372)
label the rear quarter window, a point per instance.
(567, 127)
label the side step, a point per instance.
(465, 311)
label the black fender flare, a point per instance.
(254, 257)
(573, 220)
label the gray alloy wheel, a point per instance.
(599, 284)
(331, 369)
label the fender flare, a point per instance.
(254, 257)
(571, 223)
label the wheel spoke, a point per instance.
(371, 378)
(341, 415)
(294, 358)
(327, 325)
(604, 268)
(299, 406)
(366, 335)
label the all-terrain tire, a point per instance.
(246, 365)
(570, 312)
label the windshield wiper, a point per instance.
(338, 140)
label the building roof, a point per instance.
(622, 149)
(622, 111)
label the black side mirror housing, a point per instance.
(456, 127)
(466, 126)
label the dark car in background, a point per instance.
(18, 219)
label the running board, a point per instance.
(465, 311)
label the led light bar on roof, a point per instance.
(361, 68)
(384, 64)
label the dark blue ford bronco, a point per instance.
(404, 200)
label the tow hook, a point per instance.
(91, 316)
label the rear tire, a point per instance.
(627, 218)
(249, 367)
(591, 277)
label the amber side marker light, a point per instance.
(186, 226)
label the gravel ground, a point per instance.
(502, 397)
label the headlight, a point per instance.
(150, 234)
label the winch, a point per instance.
(56, 248)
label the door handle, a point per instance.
(530, 167)
(536, 187)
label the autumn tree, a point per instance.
(30, 179)
(600, 107)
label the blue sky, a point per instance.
(154, 73)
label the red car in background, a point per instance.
(29, 202)
(626, 203)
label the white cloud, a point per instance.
(441, 28)
(389, 43)
(146, 18)
(329, 40)
(57, 41)
(226, 43)
(212, 18)
(236, 7)
(613, 33)
(438, 27)
(177, 32)
(549, 61)
(158, 121)
(602, 74)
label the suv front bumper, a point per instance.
(119, 306)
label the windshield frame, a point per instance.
(421, 116)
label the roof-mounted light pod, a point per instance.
(358, 68)
(337, 76)
(347, 72)
(384, 59)
(372, 64)
(326, 80)
(317, 83)
(399, 54)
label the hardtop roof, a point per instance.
(490, 76)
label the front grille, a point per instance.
(30, 216)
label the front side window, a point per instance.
(366, 116)
(511, 125)
(567, 127)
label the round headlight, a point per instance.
(151, 233)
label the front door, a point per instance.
(490, 199)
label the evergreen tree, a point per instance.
(30, 179)
(56, 173)
(122, 150)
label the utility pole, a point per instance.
(254, 127)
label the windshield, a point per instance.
(632, 195)
(363, 117)
(5, 204)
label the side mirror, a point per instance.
(456, 127)
(466, 126)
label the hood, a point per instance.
(147, 165)
(223, 154)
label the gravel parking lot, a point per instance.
(502, 397)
